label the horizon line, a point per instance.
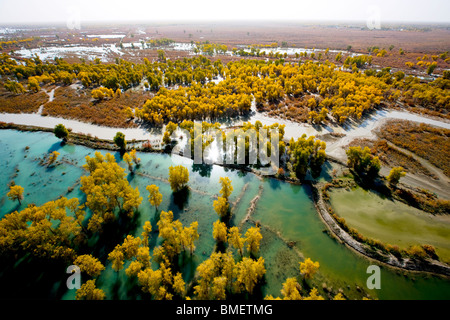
(225, 21)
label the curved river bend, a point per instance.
(285, 212)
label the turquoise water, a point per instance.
(285, 212)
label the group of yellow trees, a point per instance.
(339, 95)
(306, 153)
(233, 141)
(196, 102)
(222, 275)
(58, 229)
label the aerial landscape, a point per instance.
(224, 159)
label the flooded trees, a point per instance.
(49, 231)
(88, 291)
(253, 238)
(89, 264)
(235, 240)
(61, 132)
(119, 140)
(162, 284)
(154, 197)
(176, 237)
(107, 190)
(15, 193)
(178, 177)
(248, 272)
(306, 153)
(221, 275)
(291, 288)
(52, 157)
(128, 160)
(220, 231)
(308, 268)
(227, 188)
(221, 206)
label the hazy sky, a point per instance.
(30, 11)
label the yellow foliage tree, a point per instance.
(133, 155)
(117, 258)
(248, 272)
(89, 264)
(146, 233)
(253, 238)
(339, 296)
(221, 206)
(309, 268)
(154, 197)
(88, 291)
(15, 193)
(290, 290)
(220, 231)
(178, 177)
(129, 161)
(107, 190)
(314, 295)
(235, 239)
(52, 158)
(227, 188)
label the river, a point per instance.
(285, 211)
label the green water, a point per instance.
(285, 212)
(391, 221)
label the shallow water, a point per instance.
(50, 53)
(285, 211)
(391, 221)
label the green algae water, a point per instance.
(291, 228)
(391, 221)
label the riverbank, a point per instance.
(86, 140)
(348, 132)
(79, 127)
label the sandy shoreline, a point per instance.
(101, 132)
(292, 129)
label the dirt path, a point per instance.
(441, 186)
(51, 96)
(368, 129)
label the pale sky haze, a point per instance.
(39, 11)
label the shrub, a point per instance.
(61, 132)
(416, 251)
(119, 140)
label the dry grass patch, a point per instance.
(428, 142)
(21, 103)
(79, 105)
